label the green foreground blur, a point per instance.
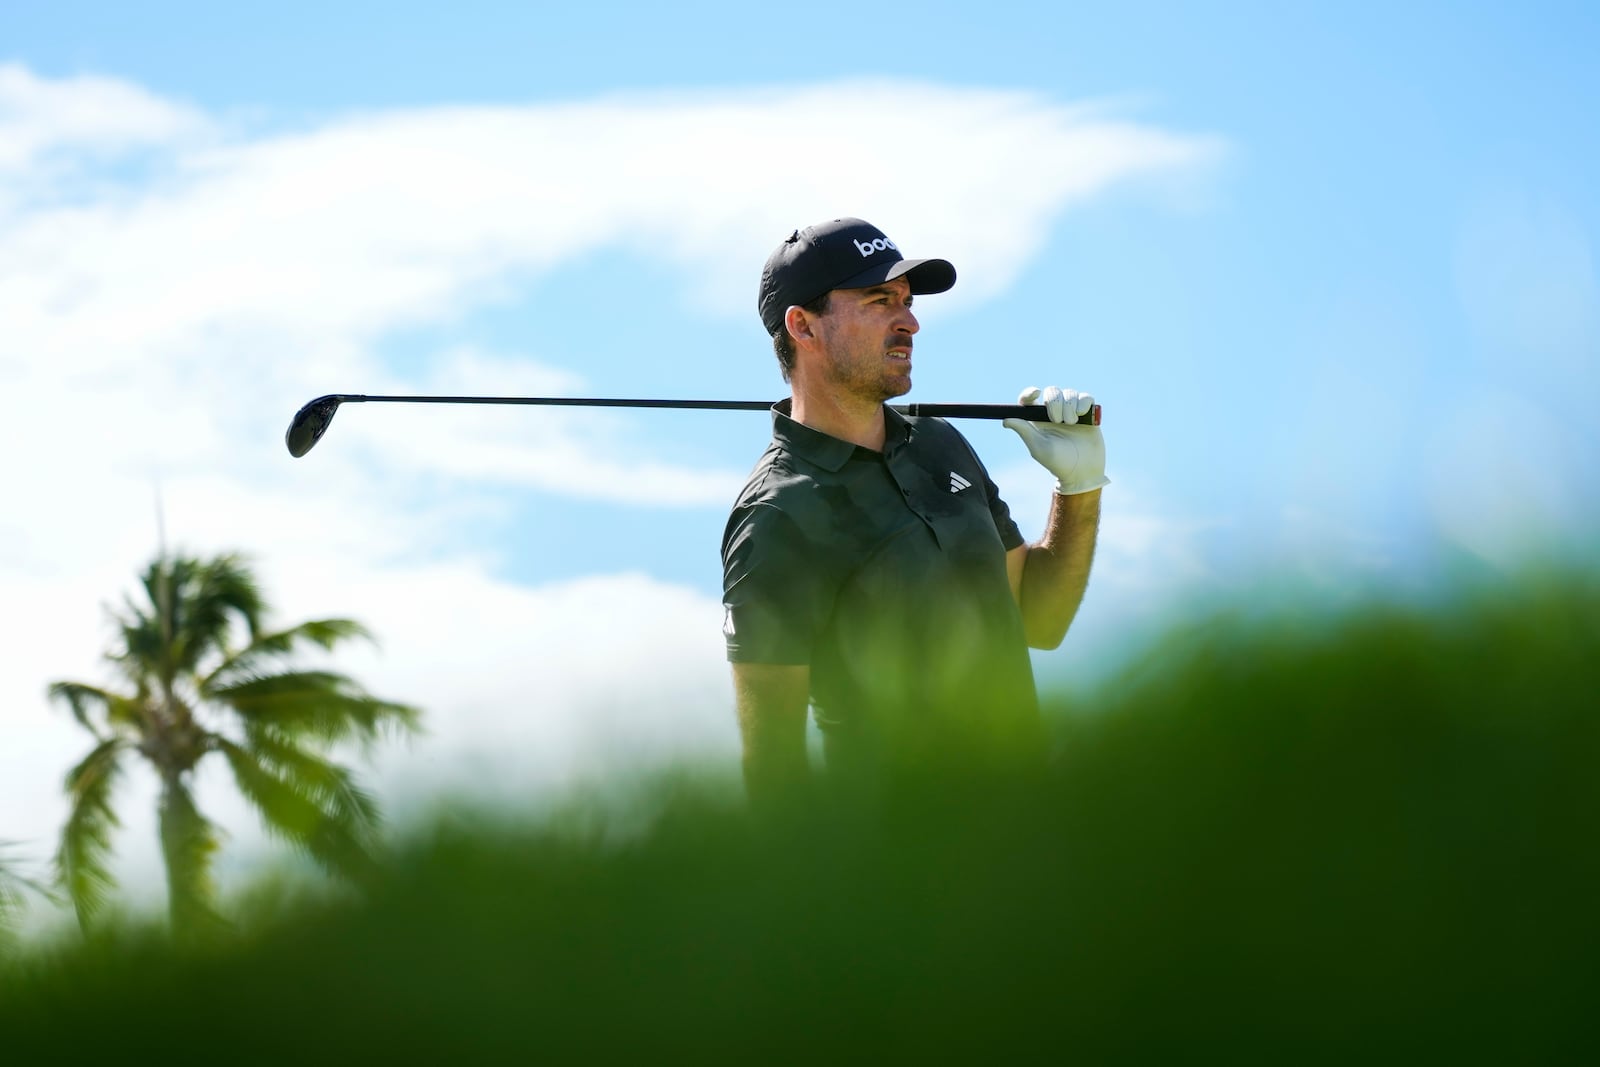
(1374, 839)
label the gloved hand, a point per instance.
(1076, 455)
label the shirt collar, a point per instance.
(824, 450)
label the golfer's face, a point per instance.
(867, 339)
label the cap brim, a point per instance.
(925, 275)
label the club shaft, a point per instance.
(1028, 412)
(311, 421)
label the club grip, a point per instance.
(1026, 412)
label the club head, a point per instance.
(309, 424)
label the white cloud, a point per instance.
(162, 321)
(378, 220)
(100, 116)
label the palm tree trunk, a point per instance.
(187, 843)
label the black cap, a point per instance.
(842, 254)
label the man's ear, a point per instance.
(798, 322)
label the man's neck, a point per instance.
(847, 418)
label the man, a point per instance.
(870, 568)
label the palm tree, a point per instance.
(192, 688)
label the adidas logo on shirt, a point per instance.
(958, 483)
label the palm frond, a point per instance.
(14, 886)
(255, 658)
(324, 705)
(192, 603)
(81, 699)
(331, 787)
(86, 837)
(189, 842)
(223, 588)
(116, 709)
(289, 810)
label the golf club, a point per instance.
(311, 421)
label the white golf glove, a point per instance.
(1076, 455)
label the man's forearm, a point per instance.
(1056, 570)
(771, 702)
(773, 767)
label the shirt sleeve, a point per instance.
(1010, 532)
(773, 588)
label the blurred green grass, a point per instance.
(1276, 840)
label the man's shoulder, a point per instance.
(786, 497)
(777, 475)
(772, 497)
(934, 431)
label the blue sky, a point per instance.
(1329, 267)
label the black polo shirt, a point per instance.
(885, 574)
